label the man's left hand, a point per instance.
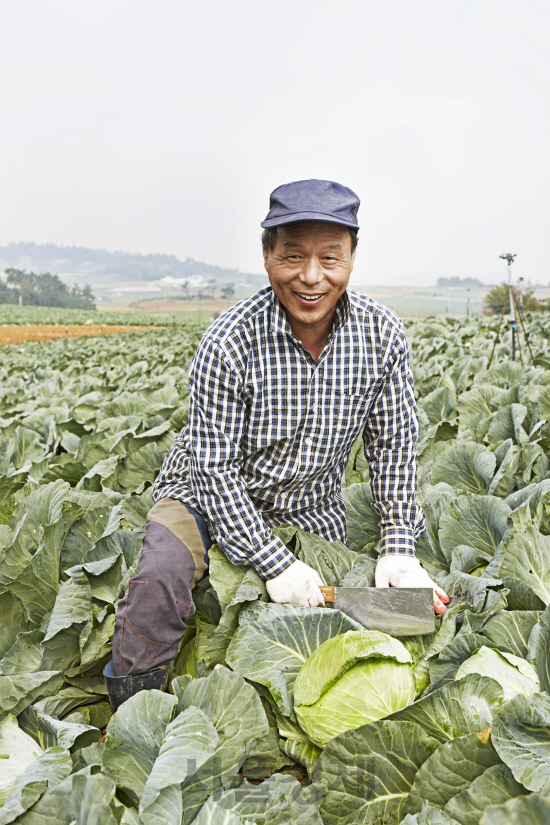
(396, 570)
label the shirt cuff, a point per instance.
(272, 559)
(397, 540)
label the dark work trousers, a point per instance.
(151, 616)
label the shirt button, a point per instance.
(308, 441)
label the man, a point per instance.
(281, 386)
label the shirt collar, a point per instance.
(279, 321)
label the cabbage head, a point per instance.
(352, 679)
(17, 751)
(513, 674)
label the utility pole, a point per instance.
(468, 304)
(510, 259)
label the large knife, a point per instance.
(398, 611)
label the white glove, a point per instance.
(298, 584)
(396, 570)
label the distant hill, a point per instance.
(98, 264)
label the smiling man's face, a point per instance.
(309, 269)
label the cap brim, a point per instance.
(306, 216)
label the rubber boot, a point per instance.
(121, 688)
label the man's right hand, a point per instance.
(298, 584)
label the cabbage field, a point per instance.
(275, 715)
(26, 315)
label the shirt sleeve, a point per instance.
(390, 447)
(217, 420)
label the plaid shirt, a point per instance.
(270, 429)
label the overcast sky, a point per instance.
(162, 126)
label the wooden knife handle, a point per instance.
(329, 593)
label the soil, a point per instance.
(16, 334)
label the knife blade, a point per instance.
(398, 611)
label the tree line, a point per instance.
(46, 290)
(454, 281)
(497, 300)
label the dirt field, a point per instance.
(44, 332)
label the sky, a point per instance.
(162, 126)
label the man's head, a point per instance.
(309, 241)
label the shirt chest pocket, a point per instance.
(348, 412)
